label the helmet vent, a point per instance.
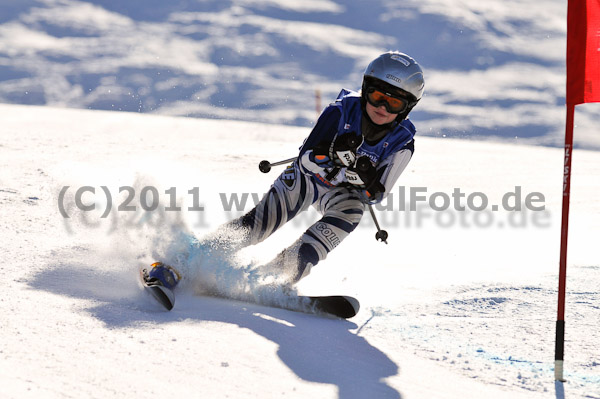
(399, 58)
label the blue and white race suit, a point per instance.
(305, 183)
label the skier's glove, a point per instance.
(343, 149)
(341, 152)
(320, 159)
(363, 175)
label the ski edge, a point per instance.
(163, 295)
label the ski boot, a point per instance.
(161, 274)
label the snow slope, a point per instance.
(494, 68)
(460, 304)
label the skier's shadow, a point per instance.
(316, 349)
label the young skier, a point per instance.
(354, 155)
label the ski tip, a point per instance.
(344, 307)
(355, 304)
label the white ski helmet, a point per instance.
(400, 74)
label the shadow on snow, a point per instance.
(316, 349)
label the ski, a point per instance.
(160, 280)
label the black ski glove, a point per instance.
(363, 175)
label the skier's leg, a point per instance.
(342, 211)
(290, 194)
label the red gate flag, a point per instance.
(583, 51)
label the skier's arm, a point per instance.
(376, 183)
(311, 157)
(394, 168)
(324, 148)
(324, 131)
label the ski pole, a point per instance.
(349, 140)
(265, 166)
(381, 235)
(364, 165)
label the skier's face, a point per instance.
(379, 115)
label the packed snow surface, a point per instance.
(493, 68)
(460, 304)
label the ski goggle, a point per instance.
(393, 104)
